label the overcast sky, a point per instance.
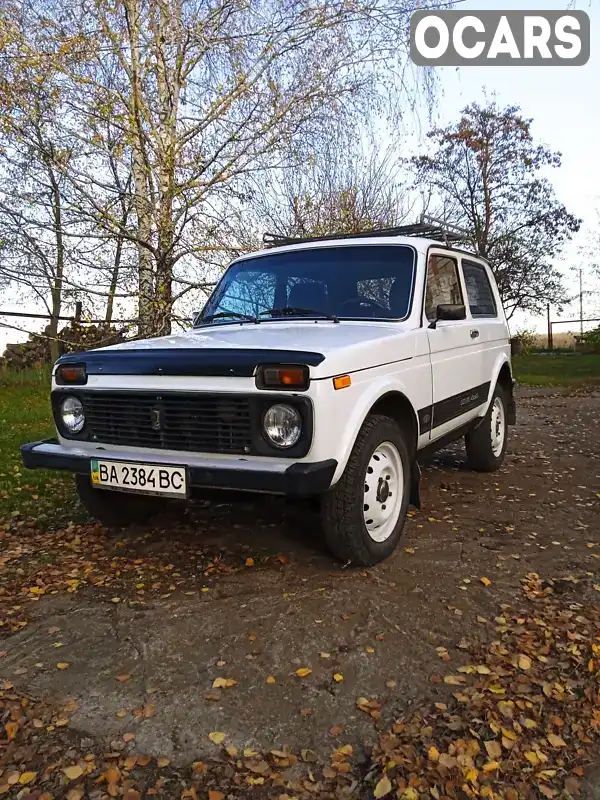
(563, 101)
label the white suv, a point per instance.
(319, 367)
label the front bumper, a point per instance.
(300, 479)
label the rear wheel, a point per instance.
(486, 444)
(364, 513)
(116, 509)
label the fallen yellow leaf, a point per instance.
(216, 737)
(11, 729)
(62, 665)
(433, 754)
(338, 677)
(27, 777)
(383, 787)
(486, 582)
(556, 741)
(73, 772)
(249, 562)
(493, 748)
(491, 766)
(271, 679)
(303, 672)
(162, 762)
(454, 680)
(524, 662)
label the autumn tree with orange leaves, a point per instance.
(487, 174)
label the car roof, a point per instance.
(419, 243)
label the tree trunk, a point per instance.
(162, 307)
(140, 176)
(168, 31)
(57, 283)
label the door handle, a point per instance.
(474, 334)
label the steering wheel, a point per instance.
(363, 304)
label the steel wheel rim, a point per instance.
(383, 491)
(498, 426)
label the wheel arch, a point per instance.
(390, 402)
(504, 379)
(397, 406)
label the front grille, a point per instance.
(208, 423)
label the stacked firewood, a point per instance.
(35, 352)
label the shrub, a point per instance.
(591, 341)
(527, 339)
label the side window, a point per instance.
(479, 290)
(443, 285)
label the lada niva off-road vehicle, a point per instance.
(318, 368)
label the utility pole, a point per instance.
(550, 343)
(581, 298)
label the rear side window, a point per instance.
(479, 290)
(443, 286)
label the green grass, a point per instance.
(559, 369)
(25, 416)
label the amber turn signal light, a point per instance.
(71, 375)
(342, 382)
(291, 377)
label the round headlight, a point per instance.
(282, 425)
(71, 413)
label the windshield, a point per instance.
(359, 281)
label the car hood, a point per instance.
(320, 336)
(329, 348)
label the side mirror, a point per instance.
(448, 312)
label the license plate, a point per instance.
(140, 478)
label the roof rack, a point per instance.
(427, 227)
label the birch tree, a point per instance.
(207, 94)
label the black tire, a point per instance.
(478, 442)
(342, 513)
(116, 509)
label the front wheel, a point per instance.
(486, 444)
(364, 513)
(116, 509)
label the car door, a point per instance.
(457, 365)
(487, 314)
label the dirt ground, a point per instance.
(246, 592)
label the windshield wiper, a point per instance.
(298, 312)
(234, 314)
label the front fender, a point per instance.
(370, 394)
